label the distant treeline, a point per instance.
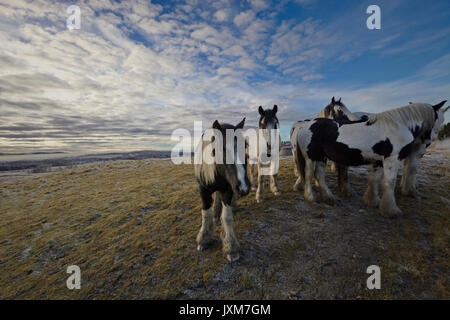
(43, 165)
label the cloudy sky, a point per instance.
(137, 70)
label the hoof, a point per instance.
(310, 198)
(393, 213)
(374, 203)
(205, 245)
(233, 257)
(277, 193)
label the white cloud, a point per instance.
(222, 15)
(137, 70)
(244, 18)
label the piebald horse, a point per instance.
(409, 171)
(226, 180)
(384, 140)
(336, 111)
(267, 121)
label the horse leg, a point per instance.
(343, 184)
(388, 207)
(204, 236)
(408, 182)
(259, 190)
(309, 172)
(251, 177)
(297, 169)
(294, 159)
(217, 207)
(230, 243)
(333, 167)
(274, 185)
(325, 193)
(371, 196)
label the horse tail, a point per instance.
(300, 162)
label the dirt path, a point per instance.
(131, 227)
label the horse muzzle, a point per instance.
(243, 189)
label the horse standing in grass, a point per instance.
(226, 180)
(384, 140)
(338, 112)
(268, 121)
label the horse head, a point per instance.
(268, 121)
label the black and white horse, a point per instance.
(226, 180)
(268, 121)
(384, 140)
(409, 171)
(338, 112)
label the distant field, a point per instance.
(131, 226)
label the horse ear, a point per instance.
(439, 105)
(240, 125)
(332, 100)
(339, 100)
(261, 110)
(216, 125)
(275, 108)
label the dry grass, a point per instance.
(131, 227)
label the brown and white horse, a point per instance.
(225, 178)
(268, 121)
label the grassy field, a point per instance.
(131, 226)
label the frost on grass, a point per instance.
(131, 226)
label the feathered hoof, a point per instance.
(310, 198)
(259, 199)
(373, 203)
(391, 213)
(232, 257)
(205, 245)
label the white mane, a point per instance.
(409, 116)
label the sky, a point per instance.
(137, 70)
